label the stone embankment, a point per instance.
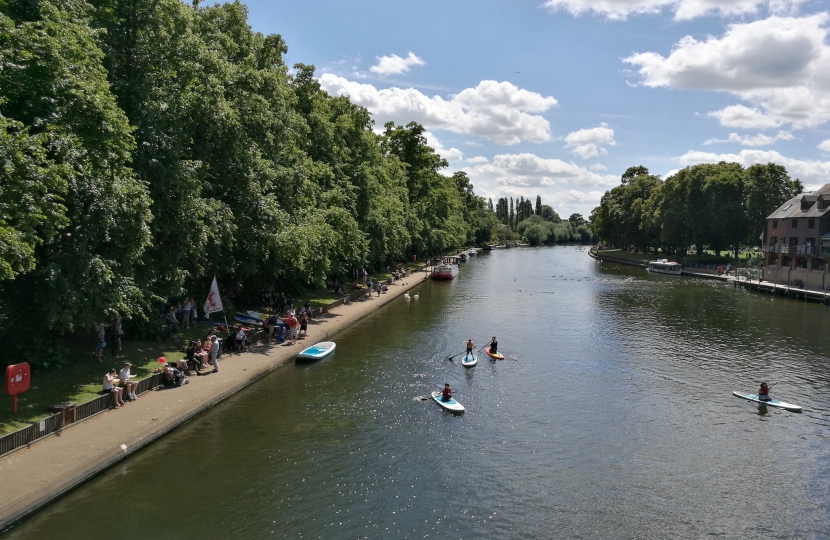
(34, 476)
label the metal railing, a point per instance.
(31, 433)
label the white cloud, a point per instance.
(585, 143)
(565, 186)
(395, 65)
(498, 111)
(450, 154)
(683, 9)
(753, 140)
(597, 167)
(478, 159)
(812, 173)
(824, 146)
(780, 66)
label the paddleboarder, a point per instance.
(470, 347)
(446, 394)
(763, 392)
(494, 346)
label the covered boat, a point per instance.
(663, 266)
(447, 269)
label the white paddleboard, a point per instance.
(452, 405)
(469, 360)
(771, 402)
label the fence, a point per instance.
(32, 433)
(51, 424)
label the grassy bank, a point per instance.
(708, 257)
(80, 379)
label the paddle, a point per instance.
(453, 356)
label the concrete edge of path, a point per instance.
(31, 478)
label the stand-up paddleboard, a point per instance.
(247, 319)
(452, 405)
(496, 356)
(469, 360)
(771, 402)
(317, 351)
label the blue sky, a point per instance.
(558, 97)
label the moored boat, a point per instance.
(663, 266)
(447, 269)
(472, 252)
(248, 319)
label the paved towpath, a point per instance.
(34, 476)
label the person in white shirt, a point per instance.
(128, 385)
(240, 340)
(214, 353)
(110, 388)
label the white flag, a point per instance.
(213, 302)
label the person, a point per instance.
(174, 323)
(470, 347)
(308, 312)
(446, 394)
(377, 287)
(117, 332)
(190, 356)
(214, 353)
(304, 324)
(186, 312)
(126, 383)
(101, 340)
(273, 322)
(355, 285)
(201, 353)
(763, 392)
(494, 346)
(240, 340)
(293, 325)
(110, 388)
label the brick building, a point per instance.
(797, 241)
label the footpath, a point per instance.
(752, 284)
(50, 467)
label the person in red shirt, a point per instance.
(763, 392)
(446, 395)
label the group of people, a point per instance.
(118, 386)
(100, 341)
(446, 393)
(197, 355)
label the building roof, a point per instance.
(813, 204)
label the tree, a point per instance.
(538, 205)
(767, 187)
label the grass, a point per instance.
(80, 379)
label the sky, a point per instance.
(557, 98)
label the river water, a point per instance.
(611, 417)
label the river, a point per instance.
(611, 417)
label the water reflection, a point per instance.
(611, 416)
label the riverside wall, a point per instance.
(33, 477)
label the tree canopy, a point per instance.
(147, 146)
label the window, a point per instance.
(818, 263)
(774, 224)
(786, 262)
(773, 240)
(795, 224)
(793, 240)
(802, 262)
(811, 223)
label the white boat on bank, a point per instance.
(472, 252)
(663, 266)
